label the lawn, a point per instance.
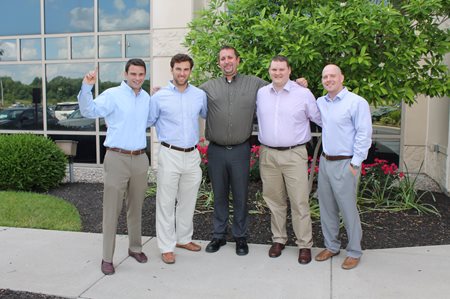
(32, 210)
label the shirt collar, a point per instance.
(287, 87)
(339, 96)
(173, 87)
(124, 84)
(235, 77)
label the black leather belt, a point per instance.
(335, 158)
(181, 149)
(284, 148)
(122, 151)
(228, 147)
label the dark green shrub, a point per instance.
(30, 163)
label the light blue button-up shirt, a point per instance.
(126, 114)
(346, 125)
(283, 116)
(176, 114)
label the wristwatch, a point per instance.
(354, 166)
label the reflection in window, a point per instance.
(137, 45)
(124, 15)
(20, 17)
(110, 46)
(30, 49)
(63, 85)
(56, 48)
(8, 50)
(83, 47)
(17, 83)
(62, 16)
(64, 81)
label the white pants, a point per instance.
(179, 177)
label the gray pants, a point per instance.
(229, 167)
(337, 189)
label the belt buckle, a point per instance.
(228, 147)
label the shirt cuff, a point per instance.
(86, 87)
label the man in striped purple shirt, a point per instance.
(284, 110)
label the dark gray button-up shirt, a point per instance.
(231, 106)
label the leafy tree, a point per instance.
(387, 53)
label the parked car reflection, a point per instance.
(75, 121)
(24, 118)
(63, 110)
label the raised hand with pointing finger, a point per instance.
(91, 77)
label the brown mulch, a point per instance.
(380, 229)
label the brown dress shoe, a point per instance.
(275, 249)
(139, 256)
(191, 246)
(168, 257)
(350, 263)
(325, 254)
(107, 268)
(304, 256)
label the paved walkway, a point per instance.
(67, 264)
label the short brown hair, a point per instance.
(181, 58)
(135, 61)
(281, 58)
(226, 47)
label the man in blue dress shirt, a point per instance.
(346, 135)
(126, 110)
(175, 111)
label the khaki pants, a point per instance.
(125, 179)
(286, 173)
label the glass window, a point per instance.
(110, 46)
(8, 50)
(20, 17)
(124, 15)
(56, 48)
(83, 47)
(30, 49)
(16, 89)
(137, 45)
(63, 85)
(17, 82)
(62, 16)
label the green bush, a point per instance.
(30, 163)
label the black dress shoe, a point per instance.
(215, 245)
(241, 246)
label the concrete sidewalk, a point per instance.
(67, 264)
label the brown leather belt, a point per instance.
(284, 148)
(186, 150)
(335, 158)
(122, 151)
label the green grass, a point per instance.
(33, 210)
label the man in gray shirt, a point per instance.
(229, 124)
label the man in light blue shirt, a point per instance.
(175, 111)
(126, 111)
(284, 110)
(347, 137)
